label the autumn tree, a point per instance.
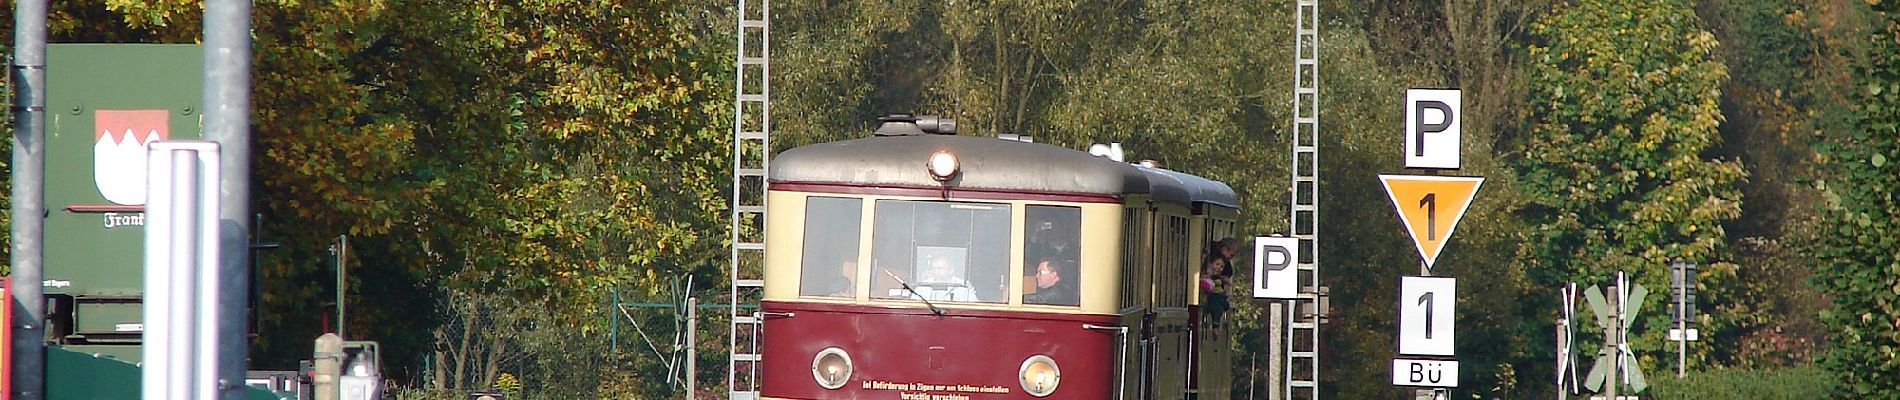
(1624, 106)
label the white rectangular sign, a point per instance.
(1676, 334)
(1274, 274)
(1425, 315)
(1430, 373)
(1431, 128)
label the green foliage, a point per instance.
(1861, 238)
(503, 148)
(1792, 71)
(1615, 173)
(1798, 382)
(487, 147)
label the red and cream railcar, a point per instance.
(914, 265)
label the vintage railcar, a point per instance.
(918, 264)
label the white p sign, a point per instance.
(1431, 128)
(1274, 276)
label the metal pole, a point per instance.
(29, 198)
(1612, 340)
(1682, 341)
(1560, 359)
(172, 285)
(692, 348)
(342, 280)
(192, 268)
(227, 120)
(613, 324)
(1427, 393)
(1277, 320)
(1682, 316)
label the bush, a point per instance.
(1799, 382)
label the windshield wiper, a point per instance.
(920, 296)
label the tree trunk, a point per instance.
(495, 347)
(461, 353)
(440, 368)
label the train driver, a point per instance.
(942, 283)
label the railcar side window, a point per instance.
(1051, 262)
(830, 258)
(946, 251)
(1134, 257)
(1171, 272)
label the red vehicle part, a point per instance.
(912, 353)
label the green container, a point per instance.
(75, 373)
(104, 102)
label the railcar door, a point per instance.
(1135, 298)
(1171, 289)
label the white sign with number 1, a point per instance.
(1425, 315)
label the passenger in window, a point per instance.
(1052, 285)
(1214, 289)
(840, 285)
(1046, 240)
(943, 284)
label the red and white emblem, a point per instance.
(118, 151)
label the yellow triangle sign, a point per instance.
(1430, 207)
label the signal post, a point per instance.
(1429, 208)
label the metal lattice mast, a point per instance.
(751, 157)
(1302, 344)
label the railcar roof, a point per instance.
(1169, 185)
(987, 164)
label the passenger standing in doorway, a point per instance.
(1214, 289)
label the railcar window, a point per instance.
(1052, 271)
(947, 251)
(1134, 257)
(830, 258)
(1171, 275)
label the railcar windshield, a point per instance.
(831, 246)
(947, 251)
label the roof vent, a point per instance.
(906, 125)
(1016, 138)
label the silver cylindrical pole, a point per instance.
(176, 256)
(1613, 339)
(1682, 318)
(227, 104)
(185, 342)
(29, 199)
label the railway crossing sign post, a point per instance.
(1615, 312)
(1429, 208)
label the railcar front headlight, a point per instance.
(831, 368)
(1040, 376)
(944, 165)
